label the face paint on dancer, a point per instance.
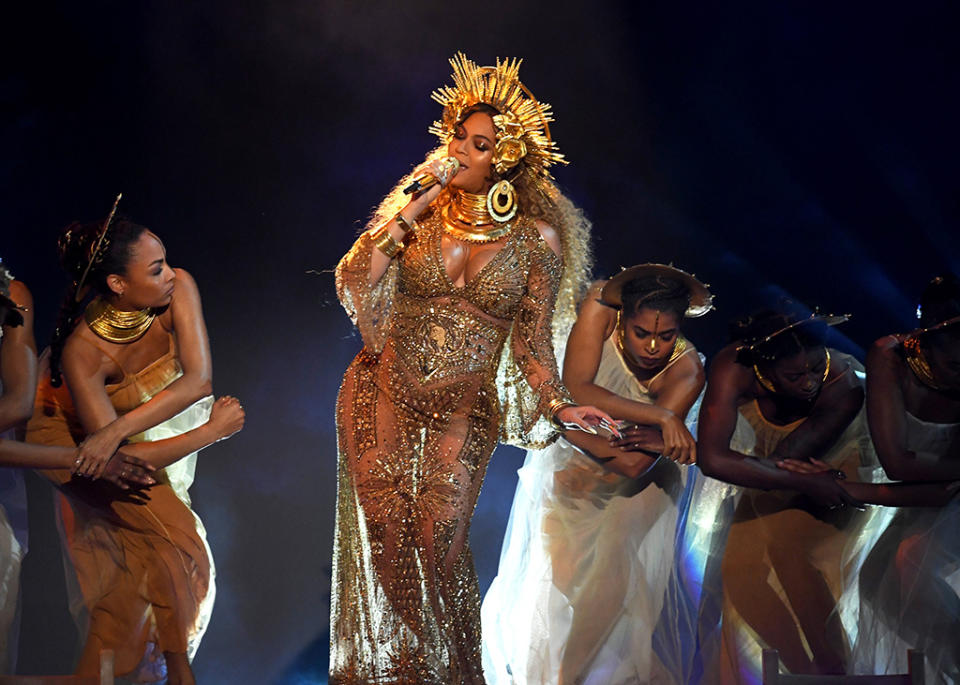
(649, 336)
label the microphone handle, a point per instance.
(421, 183)
(425, 181)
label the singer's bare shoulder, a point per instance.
(550, 236)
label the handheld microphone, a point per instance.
(425, 181)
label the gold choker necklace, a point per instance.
(471, 209)
(917, 361)
(116, 326)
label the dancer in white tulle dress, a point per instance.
(909, 589)
(587, 568)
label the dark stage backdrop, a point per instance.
(774, 148)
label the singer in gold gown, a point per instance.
(458, 295)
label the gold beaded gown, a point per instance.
(444, 374)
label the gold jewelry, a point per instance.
(764, 381)
(917, 361)
(97, 250)
(502, 201)
(679, 345)
(554, 407)
(405, 226)
(470, 208)
(384, 241)
(768, 384)
(477, 235)
(522, 125)
(116, 326)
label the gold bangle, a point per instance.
(556, 405)
(405, 225)
(386, 243)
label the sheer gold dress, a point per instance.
(444, 374)
(141, 575)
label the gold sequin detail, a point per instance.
(418, 416)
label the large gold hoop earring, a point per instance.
(502, 201)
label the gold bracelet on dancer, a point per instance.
(386, 243)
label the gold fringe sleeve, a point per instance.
(368, 306)
(528, 378)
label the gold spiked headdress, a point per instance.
(522, 125)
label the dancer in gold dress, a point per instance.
(140, 560)
(458, 295)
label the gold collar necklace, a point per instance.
(471, 209)
(116, 326)
(917, 361)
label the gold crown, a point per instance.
(523, 131)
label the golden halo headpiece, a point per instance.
(701, 300)
(523, 122)
(781, 324)
(98, 249)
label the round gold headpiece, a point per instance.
(701, 300)
(522, 125)
(779, 324)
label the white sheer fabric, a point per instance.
(180, 475)
(11, 556)
(729, 646)
(13, 547)
(908, 593)
(587, 569)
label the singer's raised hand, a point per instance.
(389, 238)
(442, 170)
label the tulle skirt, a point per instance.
(588, 590)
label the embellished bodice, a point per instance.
(495, 290)
(484, 349)
(440, 330)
